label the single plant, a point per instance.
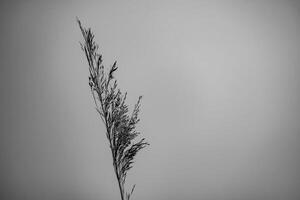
(110, 103)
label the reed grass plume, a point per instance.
(112, 108)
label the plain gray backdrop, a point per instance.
(220, 81)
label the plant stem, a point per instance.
(119, 183)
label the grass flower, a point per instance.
(111, 105)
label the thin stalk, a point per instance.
(119, 183)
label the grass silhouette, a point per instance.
(111, 105)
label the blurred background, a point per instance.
(220, 81)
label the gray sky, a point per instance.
(220, 81)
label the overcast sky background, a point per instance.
(220, 81)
